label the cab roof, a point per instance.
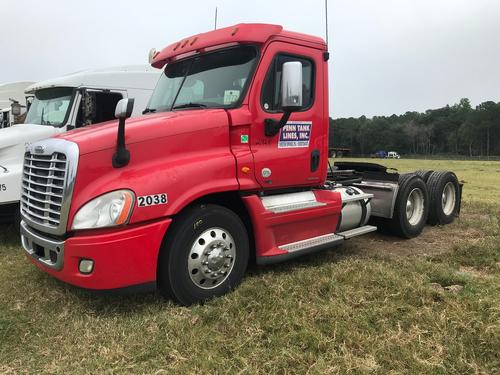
(258, 33)
(119, 77)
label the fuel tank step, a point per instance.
(354, 198)
(357, 231)
(326, 239)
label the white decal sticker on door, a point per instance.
(295, 134)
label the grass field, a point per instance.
(376, 305)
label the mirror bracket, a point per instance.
(272, 127)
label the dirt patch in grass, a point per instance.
(433, 240)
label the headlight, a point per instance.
(108, 210)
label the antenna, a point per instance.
(326, 23)
(215, 26)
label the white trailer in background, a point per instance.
(62, 104)
(11, 93)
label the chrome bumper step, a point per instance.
(311, 245)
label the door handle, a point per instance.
(315, 160)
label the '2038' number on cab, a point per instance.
(152, 200)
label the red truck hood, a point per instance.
(103, 136)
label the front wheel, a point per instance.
(205, 254)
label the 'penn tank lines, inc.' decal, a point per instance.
(152, 200)
(295, 134)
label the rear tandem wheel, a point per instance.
(444, 194)
(410, 209)
(423, 174)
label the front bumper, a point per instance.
(122, 258)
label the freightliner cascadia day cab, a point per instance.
(61, 104)
(230, 163)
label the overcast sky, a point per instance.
(387, 56)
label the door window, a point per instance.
(271, 90)
(96, 107)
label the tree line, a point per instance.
(454, 130)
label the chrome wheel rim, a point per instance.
(415, 206)
(211, 258)
(448, 198)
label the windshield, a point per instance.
(50, 106)
(213, 80)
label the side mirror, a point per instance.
(291, 96)
(124, 108)
(123, 111)
(291, 86)
(15, 109)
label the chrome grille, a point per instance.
(43, 187)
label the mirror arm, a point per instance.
(272, 127)
(122, 156)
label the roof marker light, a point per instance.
(193, 41)
(220, 46)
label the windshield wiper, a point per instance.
(149, 110)
(190, 105)
(42, 121)
(41, 118)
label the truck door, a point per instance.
(293, 156)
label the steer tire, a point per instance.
(400, 224)
(423, 174)
(443, 184)
(201, 234)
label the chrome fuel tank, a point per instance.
(356, 208)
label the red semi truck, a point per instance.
(228, 163)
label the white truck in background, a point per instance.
(63, 104)
(13, 102)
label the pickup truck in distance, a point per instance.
(393, 155)
(229, 163)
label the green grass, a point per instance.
(366, 307)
